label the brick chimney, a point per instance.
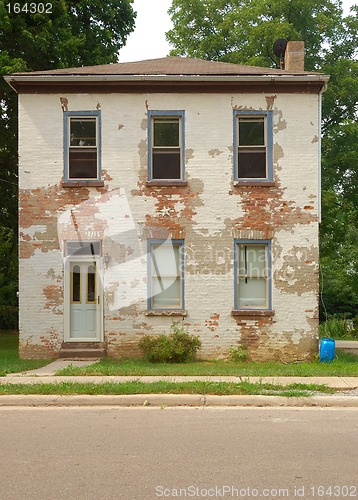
(295, 57)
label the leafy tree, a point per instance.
(76, 33)
(243, 32)
(8, 266)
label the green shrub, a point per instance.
(334, 328)
(354, 331)
(8, 317)
(177, 347)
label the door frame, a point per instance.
(67, 297)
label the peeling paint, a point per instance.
(64, 103)
(270, 101)
(189, 155)
(215, 152)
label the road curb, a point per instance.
(170, 400)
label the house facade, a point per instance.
(170, 189)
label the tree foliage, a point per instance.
(243, 32)
(76, 33)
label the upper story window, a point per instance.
(166, 145)
(253, 275)
(253, 160)
(82, 140)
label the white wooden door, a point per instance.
(85, 300)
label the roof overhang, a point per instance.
(38, 84)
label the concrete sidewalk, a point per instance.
(346, 397)
(46, 375)
(50, 369)
(339, 383)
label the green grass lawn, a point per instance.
(345, 364)
(9, 357)
(201, 387)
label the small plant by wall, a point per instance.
(177, 347)
(238, 353)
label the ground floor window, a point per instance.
(253, 274)
(166, 274)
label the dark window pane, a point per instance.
(91, 284)
(252, 164)
(82, 164)
(76, 284)
(251, 132)
(166, 164)
(166, 132)
(83, 132)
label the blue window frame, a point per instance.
(82, 146)
(166, 145)
(165, 275)
(252, 275)
(253, 146)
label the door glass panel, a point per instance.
(76, 284)
(91, 284)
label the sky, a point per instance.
(148, 39)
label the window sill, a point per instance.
(255, 183)
(74, 184)
(252, 312)
(169, 182)
(166, 312)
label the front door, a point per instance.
(84, 300)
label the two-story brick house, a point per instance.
(170, 189)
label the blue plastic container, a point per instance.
(327, 350)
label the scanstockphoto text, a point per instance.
(231, 491)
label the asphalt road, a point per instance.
(150, 453)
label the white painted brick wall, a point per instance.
(209, 126)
